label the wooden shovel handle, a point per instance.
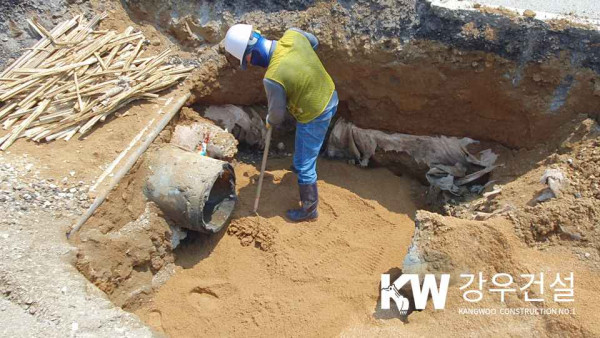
(262, 168)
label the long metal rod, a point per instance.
(172, 110)
(262, 168)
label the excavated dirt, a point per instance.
(493, 247)
(573, 219)
(127, 258)
(126, 242)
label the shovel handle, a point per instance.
(262, 168)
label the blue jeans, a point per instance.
(309, 139)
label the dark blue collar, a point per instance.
(262, 52)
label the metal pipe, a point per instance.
(195, 192)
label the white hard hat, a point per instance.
(237, 39)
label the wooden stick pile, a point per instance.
(75, 77)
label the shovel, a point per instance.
(262, 168)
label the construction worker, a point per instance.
(295, 82)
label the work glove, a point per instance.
(267, 124)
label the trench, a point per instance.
(263, 275)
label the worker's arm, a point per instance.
(277, 100)
(311, 38)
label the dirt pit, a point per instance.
(266, 276)
(320, 275)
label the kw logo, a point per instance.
(420, 294)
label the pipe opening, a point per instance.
(221, 201)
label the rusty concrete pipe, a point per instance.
(194, 191)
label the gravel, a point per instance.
(38, 193)
(41, 293)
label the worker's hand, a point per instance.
(267, 122)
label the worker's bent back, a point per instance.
(296, 66)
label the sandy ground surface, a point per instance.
(267, 276)
(320, 276)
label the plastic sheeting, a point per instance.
(451, 165)
(246, 127)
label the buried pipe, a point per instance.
(196, 192)
(444, 162)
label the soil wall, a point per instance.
(407, 66)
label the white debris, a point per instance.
(177, 236)
(221, 144)
(554, 178)
(490, 194)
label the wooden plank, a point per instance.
(41, 135)
(134, 54)
(100, 61)
(78, 93)
(18, 89)
(39, 72)
(15, 133)
(7, 109)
